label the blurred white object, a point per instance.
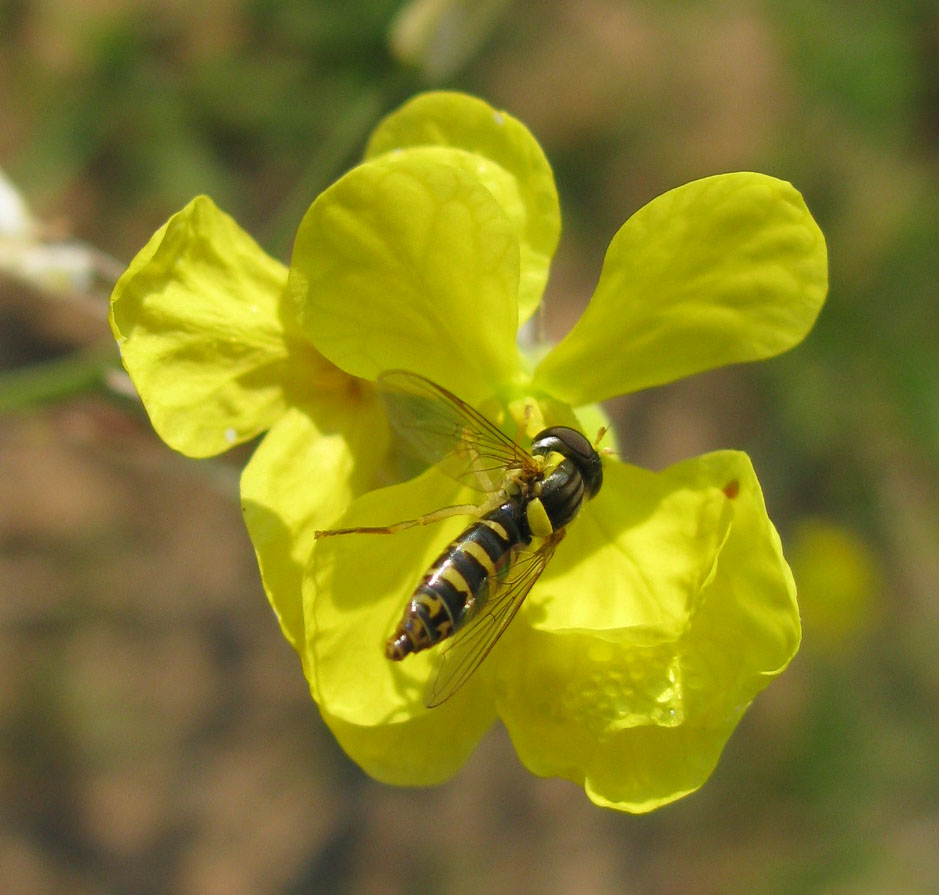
(59, 267)
(439, 36)
(15, 219)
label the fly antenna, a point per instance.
(605, 451)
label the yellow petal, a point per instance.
(722, 270)
(502, 153)
(636, 712)
(198, 319)
(406, 263)
(423, 749)
(635, 558)
(301, 478)
(355, 591)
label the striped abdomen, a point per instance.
(458, 583)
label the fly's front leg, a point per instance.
(474, 466)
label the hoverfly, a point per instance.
(475, 587)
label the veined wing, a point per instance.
(446, 431)
(472, 643)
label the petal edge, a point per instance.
(722, 270)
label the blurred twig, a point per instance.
(327, 160)
(86, 369)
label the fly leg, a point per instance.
(464, 509)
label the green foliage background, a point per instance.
(156, 731)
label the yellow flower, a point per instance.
(667, 607)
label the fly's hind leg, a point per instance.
(465, 509)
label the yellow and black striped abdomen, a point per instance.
(457, 584)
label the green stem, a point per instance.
(53, 380)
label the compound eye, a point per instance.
(570, 441)
(576, 442)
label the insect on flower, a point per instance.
(475, 587)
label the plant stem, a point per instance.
(53, 380)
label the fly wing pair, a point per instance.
(447, 432)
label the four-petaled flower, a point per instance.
(669, 604)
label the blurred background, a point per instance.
(156, 734)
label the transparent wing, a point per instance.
(445, 431)
(472, 643)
